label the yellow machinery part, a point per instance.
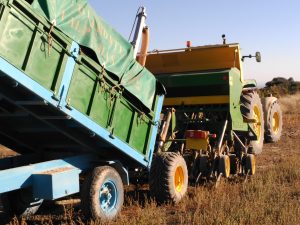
(179, 179)
(197, 144)
(212, 57)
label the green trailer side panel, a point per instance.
(24, 43)
(123, 118)
(102, 101)
(100, 98)
(80, 22)
(81, 89)
(51, 77)
(131, 126)
(16, 37)
(140, 133)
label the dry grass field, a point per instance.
(272, 196)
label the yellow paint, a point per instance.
(197, 144)
(227, 166)
(257, 126)
(179, 179)
(212, 57)
(253, 164)
(197, 100)
(275, 122)
(247, 120)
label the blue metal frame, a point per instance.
(22, 177)
(26, 81)
(67, 77)
(155, 129)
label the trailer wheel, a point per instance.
(224, 165)
(168, 177)
(273, 125)
(250, 164)
(20, 203)
(102, 195)
(251, 108)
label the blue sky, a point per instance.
(271, 27)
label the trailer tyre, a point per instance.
(20, 203)
(273, 125)
(102, 195)
(251, 108)
(168, 177)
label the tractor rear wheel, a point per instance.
(273, 124)
(168, 178)
(252, 110)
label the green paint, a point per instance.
(235, 88)
(24, 43)
(213, 83)
(80, 22)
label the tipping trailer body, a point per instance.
(57, 101)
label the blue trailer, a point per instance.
(68, 113)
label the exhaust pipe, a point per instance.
(142, 56)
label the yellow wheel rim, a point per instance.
(253, 165)
(257, 125)
(275, 122)
(179, 179)
(227, 166)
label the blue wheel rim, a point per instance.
(108, 196)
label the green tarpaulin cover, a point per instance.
(80, 22)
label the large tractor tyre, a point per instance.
(250, 164)
(224, 166)
(20, 203)
(102, 194)
(252, 111)
(273, 119)
(168, 178)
